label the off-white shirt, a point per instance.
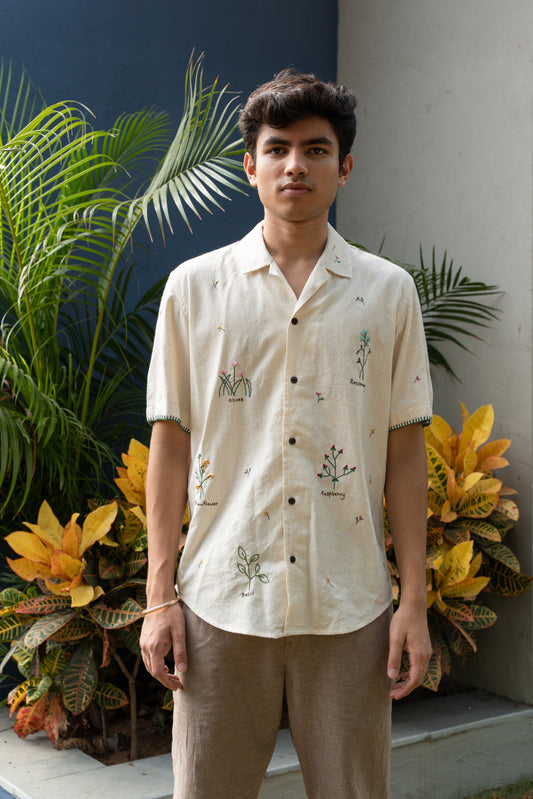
(289, 403)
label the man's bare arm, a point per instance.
(166, 498)
(406, 497)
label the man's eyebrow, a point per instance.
(270, 140)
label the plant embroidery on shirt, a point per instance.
(201, 475)
(332, 469)
(231, 382)
(319, 397)
(363, 352)
(251, 568)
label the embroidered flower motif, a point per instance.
(201, 475)
(232, 382)
(331, 468)
(319, 396)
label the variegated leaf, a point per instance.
(109, 697)
(41, 605)
(30, 719)
(11, 627)
(113, 618)
(79, 679)
(46, 627)
(504, 555)
(483, 617)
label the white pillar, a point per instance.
(443, 156)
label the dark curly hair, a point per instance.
(294, 95)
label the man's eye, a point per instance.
(275, 150)
(317, 151)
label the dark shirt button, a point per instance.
(292, 559)
(291, 500)
(294, 379)
(292, 440)
(294, 320)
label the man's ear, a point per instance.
(249, 168)
(345, 170)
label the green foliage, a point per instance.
(450, 304)
(72, 358)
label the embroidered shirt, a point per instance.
(289, 403)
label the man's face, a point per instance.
(296, 169)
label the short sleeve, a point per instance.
(411, 394)
(168, 385)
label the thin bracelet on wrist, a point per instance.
(163, 604)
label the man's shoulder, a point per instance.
(362, 259)
(214, 263)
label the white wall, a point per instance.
(444, 157)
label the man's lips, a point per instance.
(295, 189)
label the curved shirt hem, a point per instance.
(374, 613)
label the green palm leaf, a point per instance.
(72, 358)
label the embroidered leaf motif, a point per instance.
(246, 567)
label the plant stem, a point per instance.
(132, 691)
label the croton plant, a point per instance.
(469, 513)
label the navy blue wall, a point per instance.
(122, 55)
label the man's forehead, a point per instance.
(309, 129)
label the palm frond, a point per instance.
(450, 304)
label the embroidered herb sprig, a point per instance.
(331, 467)
(363, 352)
(251, 568)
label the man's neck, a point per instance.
(296, 247)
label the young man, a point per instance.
(288, 389)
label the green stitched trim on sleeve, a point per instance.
(152, 419)
(424, 420)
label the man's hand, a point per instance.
(408, 632)
(163, 631)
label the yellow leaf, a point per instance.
(477, 428)
(468, 588)
(82, 595)
(475, 565)
(437, 433)
(493, 462)
(493, 449)
(49, 525)
(455, 491)
(29, 546)
(470, 460)
(447, 514)
(471, 480)
(437, 471)
(29, 569)
(132, 494)
(58, 587)
(64, 565)
(72, 537)
(97, 524)
(136, 471)
(138, 450)
(457, 562)
(490, 485)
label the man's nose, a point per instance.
(295, 164)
